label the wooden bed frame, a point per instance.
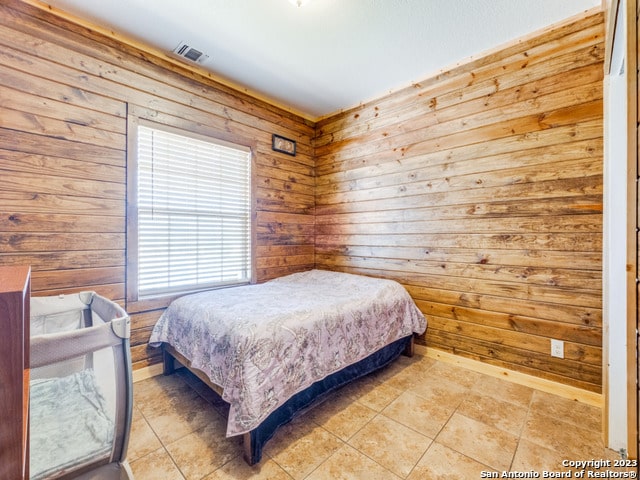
(169, 354)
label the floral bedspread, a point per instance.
(264, 343)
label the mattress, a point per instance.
(69, 424)
(264, 343)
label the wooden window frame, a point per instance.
(136, 117)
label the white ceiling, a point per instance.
(330, 54)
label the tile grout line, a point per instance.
(469, 389)
(522, 428)
(162, 443)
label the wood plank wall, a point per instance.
(480, 189)
(65, 93)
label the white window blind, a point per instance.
(194, 213)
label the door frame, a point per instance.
(628, 10)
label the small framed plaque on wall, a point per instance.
(284, 145)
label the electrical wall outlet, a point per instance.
(557, 348)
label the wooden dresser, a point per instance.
(14, 371)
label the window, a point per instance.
(193, 212)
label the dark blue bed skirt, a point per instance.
(300, 401)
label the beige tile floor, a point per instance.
(416, 419)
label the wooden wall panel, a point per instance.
(66, 94)
(480, 190)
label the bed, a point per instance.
(270, 350)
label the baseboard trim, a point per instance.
(147, 372)
(549, 386)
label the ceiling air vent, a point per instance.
(192, 54)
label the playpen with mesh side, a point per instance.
(80, 388)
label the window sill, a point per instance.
(157, 302)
